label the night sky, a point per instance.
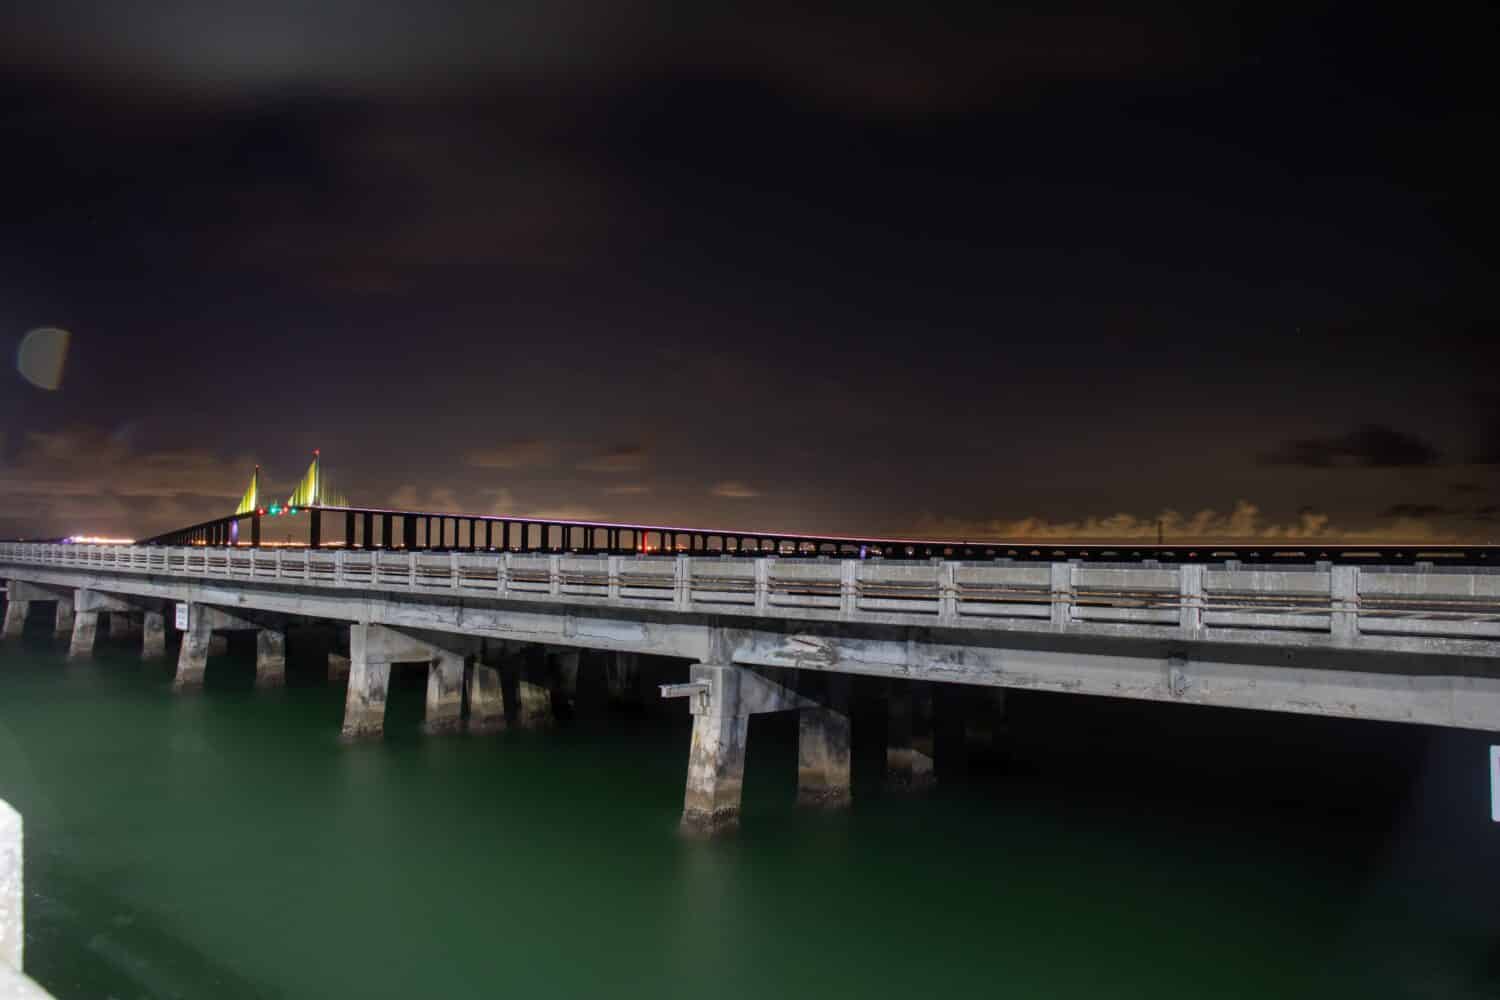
(856, 268)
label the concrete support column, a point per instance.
(534, 690)
(15, 614)
(192, 657)
(591, 694)
(823, 740)
(984, 716)
(63, 624)
(622, 673)
(270, 658)
(908, 754)
(567, 671)
(716, 760)
(120, 624)
(486, 699)
(445, 693)
(85, 629)
(154, 635)
(369, 681)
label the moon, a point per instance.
(41, 357)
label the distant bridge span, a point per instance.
(330, 526)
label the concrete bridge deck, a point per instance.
(1395, 643)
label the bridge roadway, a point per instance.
(1393, 643)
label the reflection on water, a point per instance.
(226, 845)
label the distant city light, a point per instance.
(97, 540)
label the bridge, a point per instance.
(514, 615)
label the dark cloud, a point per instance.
(733, 489)
(1466, 488)
(619, 459)
(1373, 446)
(513, 455)
(810, 247)
(1417, 510)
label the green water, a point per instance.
(226, 845)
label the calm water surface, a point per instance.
(226, 845)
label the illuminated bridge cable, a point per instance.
(251, 500)
(313, 491)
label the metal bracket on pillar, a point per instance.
(698, 690)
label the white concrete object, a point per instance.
(14, 984)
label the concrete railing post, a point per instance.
(1344, 602)
(848, 587)
(947, 594)
(762, 586)
(1190, 611)
(682, 583)
(1062, 594)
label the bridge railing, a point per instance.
(1186, 601)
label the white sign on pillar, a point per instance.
(182, 616)
(1495, 784)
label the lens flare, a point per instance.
(41, 357)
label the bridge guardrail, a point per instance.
(1184, 601)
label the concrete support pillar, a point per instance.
(486, 699)
(622, 673)
(369, 681)
(85, 629)
(908, 754)
(192, 657)
(338, 668)
(823, 741)
(63, 624)
(15, 614)
(716, 760)
(445, 693)
(120, 624)
(984, 716)
(534, 690)
(591, 692)
(567, 664)
(270, 658)
(154, 635)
